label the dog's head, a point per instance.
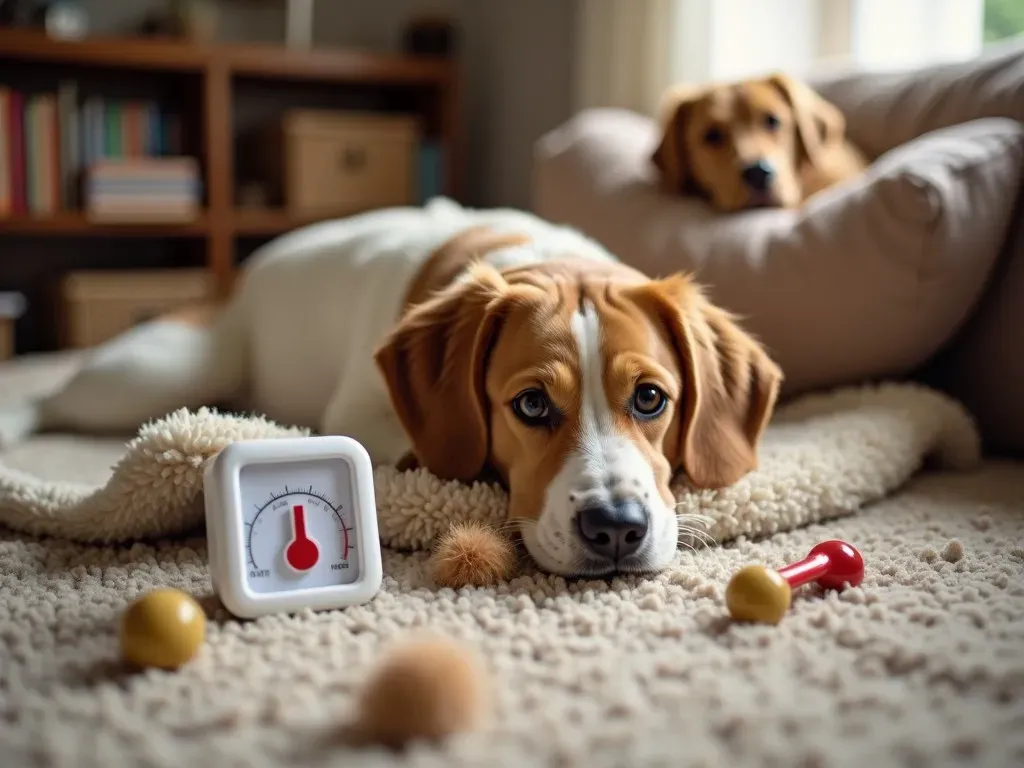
(747, 144)
(587, 388)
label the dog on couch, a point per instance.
(764, 142)
(472, 341)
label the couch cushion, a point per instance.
(868, 280)
(886, 109)
(983, 366)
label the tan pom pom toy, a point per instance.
(426, 689)
(473, 554)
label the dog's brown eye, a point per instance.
(771, 122)
(648, 401)
(714, 136)
(533, 407)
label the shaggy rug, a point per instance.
(921, 665)
(822, 456)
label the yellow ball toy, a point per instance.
(758, 594)
(164, 628)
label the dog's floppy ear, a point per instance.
(819, 123)
(730, 386)
(434, 363)
(671, 156)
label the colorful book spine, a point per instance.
(6, 198)
(31, 144)
(68, 128)
(16, 142)
(49, 141)
(43, 152)
(112, 130)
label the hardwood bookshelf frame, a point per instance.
(218, 66)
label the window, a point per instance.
(1003, 19)
(630, 51)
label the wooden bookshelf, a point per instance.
(218, 69)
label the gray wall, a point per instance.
(517, 59)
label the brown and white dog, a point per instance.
(473, 341)
(766, 142)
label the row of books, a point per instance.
(143, 189)
(49, 139)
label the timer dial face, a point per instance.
(299, 525)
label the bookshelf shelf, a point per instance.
(74, 224)
(128, 53)
(209, 78)
(331, 66)
(244, 60)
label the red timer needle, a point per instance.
(302, 552)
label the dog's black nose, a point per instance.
(758, 175)
(613, 530)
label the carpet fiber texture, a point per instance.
(921, 665)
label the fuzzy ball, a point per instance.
(426, 689)
(472, 554)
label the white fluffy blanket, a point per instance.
(823, 456)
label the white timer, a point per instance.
(291, 524)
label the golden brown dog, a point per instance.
(768, 142)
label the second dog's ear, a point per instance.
(819, 123)
(672, 156)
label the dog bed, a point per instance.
(631, 671)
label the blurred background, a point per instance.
(83, 252)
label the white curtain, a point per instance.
(622, 49)
(629, 51)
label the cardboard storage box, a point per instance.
(97, 305)
(318, 162)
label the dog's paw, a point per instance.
(17, 422)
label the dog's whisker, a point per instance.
(519, 524)
(694, 515)
(686, 544)
(695, 518)
(688, 524)
(509, 525)
(683, 526)
(700, 536)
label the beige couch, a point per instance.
(915, 269)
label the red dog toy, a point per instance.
(761, 594)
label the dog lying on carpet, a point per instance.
(471, 341)
(766, 142)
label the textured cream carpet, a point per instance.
(922, 665)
